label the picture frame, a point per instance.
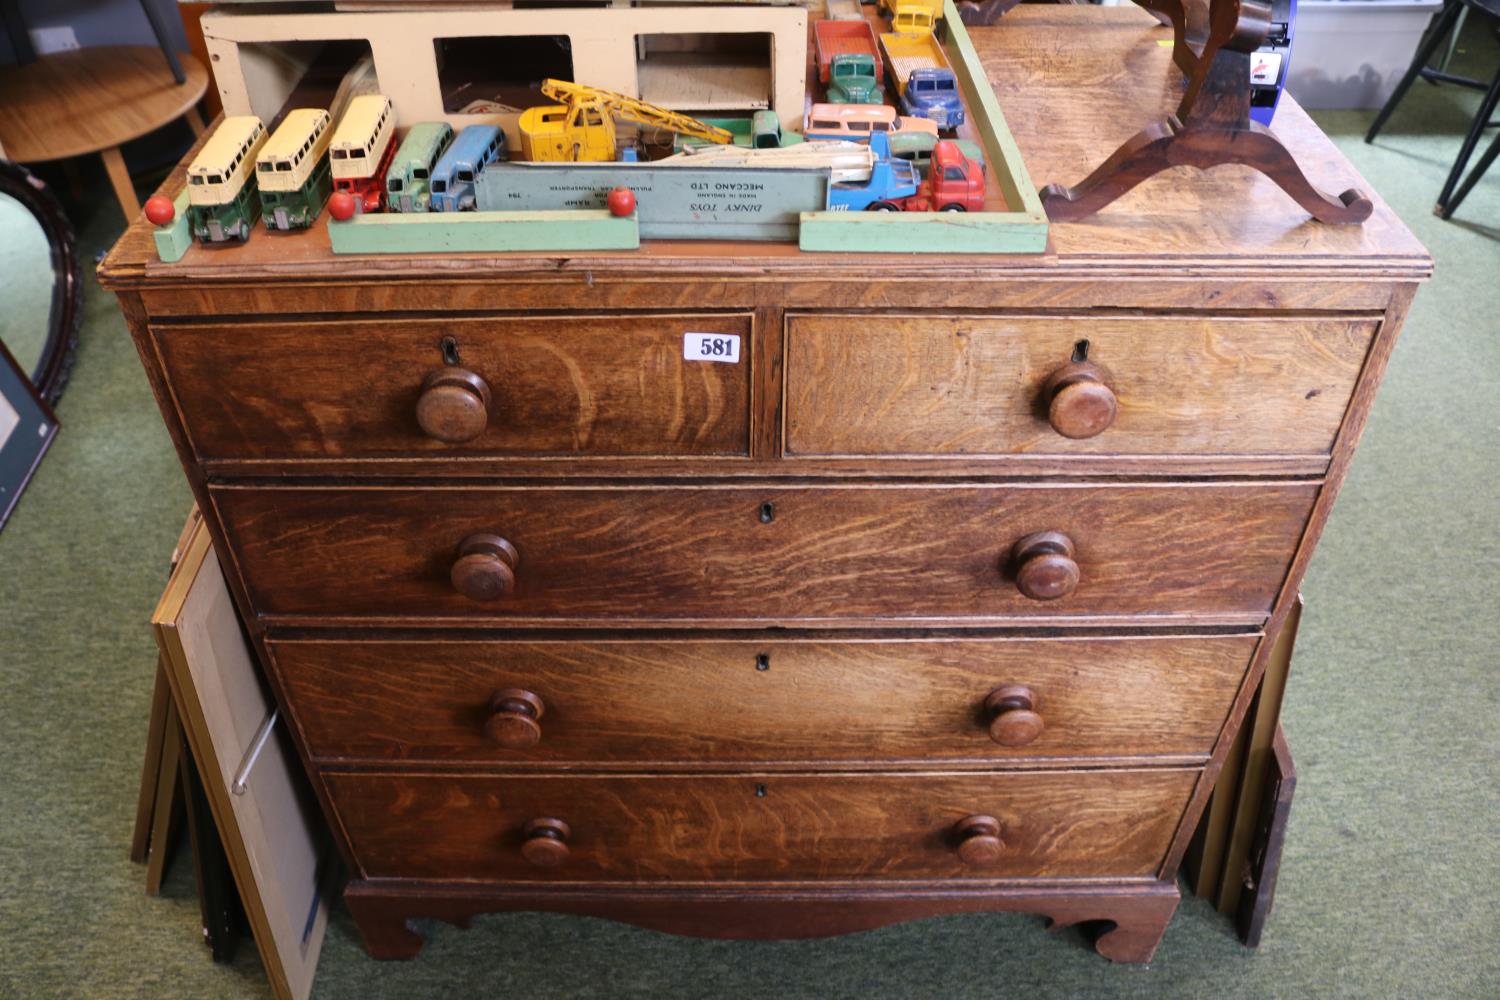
(27, 427)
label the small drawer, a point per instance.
(967, 386)
(1030, 824)
(569, 555)
(740, 701)
(521, 386)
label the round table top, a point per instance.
(84, 100)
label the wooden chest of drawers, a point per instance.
(948, 595)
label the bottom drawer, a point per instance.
(1046, 824)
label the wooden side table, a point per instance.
(94, 100)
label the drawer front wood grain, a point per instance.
(647, 702)
(964, 386)
(564, 385)
(763, 555)
(1052, 824)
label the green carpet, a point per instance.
(1391, 881)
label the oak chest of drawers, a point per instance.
(948, 595)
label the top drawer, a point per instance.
(532, 386)
(968, 386)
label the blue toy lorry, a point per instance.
(922, 75)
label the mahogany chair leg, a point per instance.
(1271, 158)
(1169, 144)
(983, 13)
(1212, 126)
(1143, 155)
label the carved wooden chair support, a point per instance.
(1212, 125)
(983, 13)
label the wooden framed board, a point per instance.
(168, 808)
(279, 850)
(1264, 862)
(27, 428)
(156, 739)
(1236, 850)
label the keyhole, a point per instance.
(760, 791)
(1081, 351)
(763, 661)
(450, 351)
(767, 512)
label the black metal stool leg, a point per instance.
(1446, 20)
(1486, 108)
(1451, 205)
(15, 28)
(159, 28)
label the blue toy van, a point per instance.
(452, 182)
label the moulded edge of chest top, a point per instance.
(573, 292)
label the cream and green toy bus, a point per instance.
(222, 201)
(292, 170)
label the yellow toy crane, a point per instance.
(582, 128)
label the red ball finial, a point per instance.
(341, 206)
(160, 210)
(621, 201)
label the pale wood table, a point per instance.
(92, 101)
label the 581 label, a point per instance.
(711, 347)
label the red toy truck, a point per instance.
(954, 183)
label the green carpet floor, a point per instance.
(1391, 881)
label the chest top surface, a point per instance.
(1073, 83)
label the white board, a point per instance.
(274, 834)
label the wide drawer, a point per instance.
(568, 385)
(734, 701)
(1050, 824)
(964, 386)
(705, 554)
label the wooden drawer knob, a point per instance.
(1045, 567)
(544, 842)
(1014, 721)
(485, 569)
(978, 840)
(513, 721)
(454, 405)
(1080, 403)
